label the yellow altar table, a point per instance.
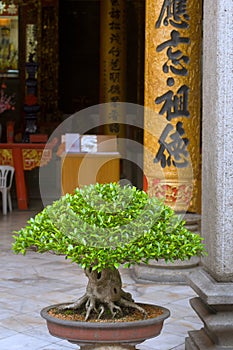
(79, 169)
(24, 156)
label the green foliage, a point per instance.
(106, 225)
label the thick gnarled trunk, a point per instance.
(104, 290)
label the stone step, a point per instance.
(218, 325)
(198, 340)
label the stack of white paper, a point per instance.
(72, 143)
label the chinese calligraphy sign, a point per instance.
(113, 62)
(173, 63)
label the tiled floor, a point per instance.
(28, 283)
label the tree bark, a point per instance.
(104, 289)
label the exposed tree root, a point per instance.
(104, 290)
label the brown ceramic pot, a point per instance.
(87, 333)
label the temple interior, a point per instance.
(63, 57)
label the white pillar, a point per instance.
(217, 172)
(214, 284)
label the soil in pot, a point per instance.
(129, 314)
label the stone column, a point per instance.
(214, 284)
(172, 97)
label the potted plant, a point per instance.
(102, 227)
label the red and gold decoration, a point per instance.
(24, 157)
(173, 100)
(32, 158)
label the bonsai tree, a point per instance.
(101, 227)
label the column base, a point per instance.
(162, 272)
(214, 306)
(199, 340)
